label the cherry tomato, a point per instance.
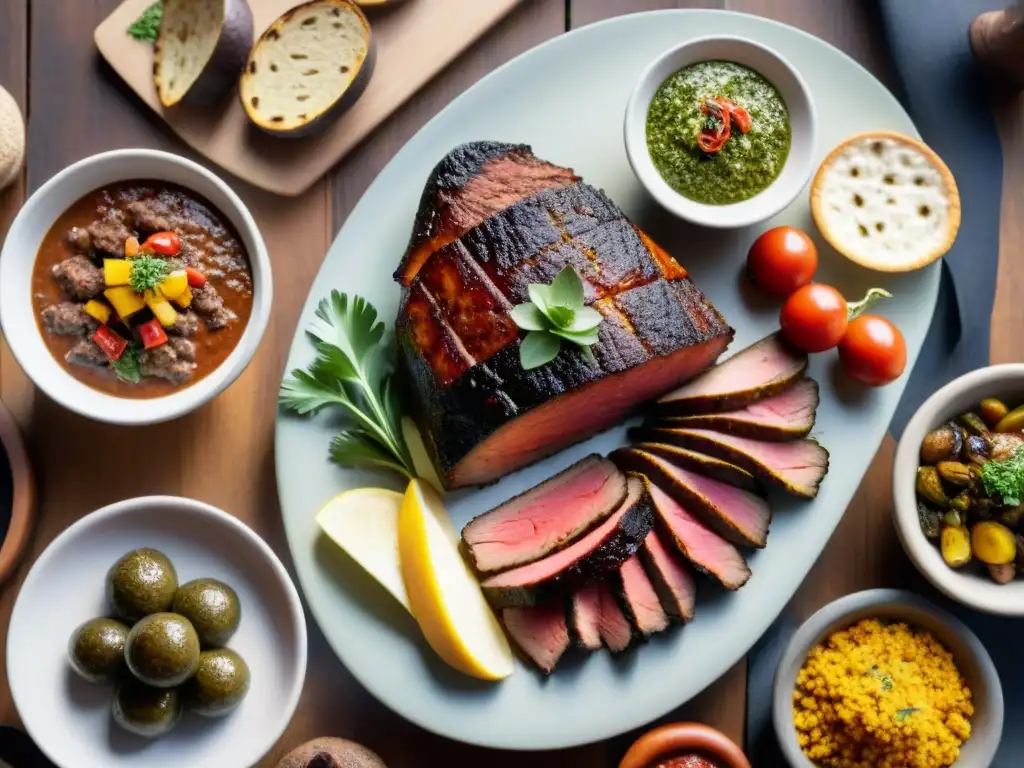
(873, 351)
(782, 260)
(814, 318)
(164, 243)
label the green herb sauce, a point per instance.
(747, 164)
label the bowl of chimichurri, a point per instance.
(721, 131)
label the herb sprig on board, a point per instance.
(353, 371)
(146, 27)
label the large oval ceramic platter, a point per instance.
(567, 99)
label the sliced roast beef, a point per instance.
(639, 601)
(616, 631)
(540, 632)
(708, 552)
(470, 184)
(700, 462)
(796, 467)
(669, 575)
(738, 515)
(761, 370)
(789, 415)
(602, 550)
(585, 616)
(547, 517)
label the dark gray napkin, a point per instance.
(945, 94)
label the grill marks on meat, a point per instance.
(541, 633)
(590, 557)
(545, 518)
(68, 319)
(79, 278)
(470, 184)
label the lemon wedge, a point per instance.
(418, 450)
(364, 523)
(444, 594)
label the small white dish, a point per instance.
(975, 590)
(970, 656)
(803, 131)
(70, 719)
(17, 259)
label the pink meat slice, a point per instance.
(641, 602)
(540, 632)
(547, 517)
(671, 579)
(706, 550)
(585, 616)
(616, 631)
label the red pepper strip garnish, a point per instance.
(152, 334)
(711, 141)
(196, 279)
(113, 346)
(165, 243)
(741, 118)
(708, 144)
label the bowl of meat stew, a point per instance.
(134, 287)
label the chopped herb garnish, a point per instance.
(353, 370)
(712, 123)
(146, 27)
(903, 714)
(556, 313)
(1005, 478)
(128, 367)
(884, 677)
(147, 272)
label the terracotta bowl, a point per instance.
(680, 739)
(23, 501)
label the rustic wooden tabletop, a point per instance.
(222, 454)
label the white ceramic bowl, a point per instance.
(70, 719)
(976, 590)
(17, 259)
(971, 659)
(773, 67)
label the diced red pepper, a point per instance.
(196, 279)
(113, 346)
(152, 334)
(164, 243)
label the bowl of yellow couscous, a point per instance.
(884, 679)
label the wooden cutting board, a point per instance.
(414, 42)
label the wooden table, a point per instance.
(223, 453)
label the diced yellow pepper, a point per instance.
(185, 300)
(174, 284)
(125, 301)
(161, 308)
(97, 310)
(116, 272)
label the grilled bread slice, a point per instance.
(201, 49)
(308, 68)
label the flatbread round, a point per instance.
(12, 139)
(886, 201)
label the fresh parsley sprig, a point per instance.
(146, 272)
(556, 313)
(1005, 478)
(353, 370)
(128, 366)
(147, 26)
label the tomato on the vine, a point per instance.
(814, 318)
(782, 260)
(873, 351)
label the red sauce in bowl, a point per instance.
(687, 761)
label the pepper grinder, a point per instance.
(997, 39)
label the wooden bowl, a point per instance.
(680, 739)
(23, 502)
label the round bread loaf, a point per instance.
(886, 201)
(12, 139)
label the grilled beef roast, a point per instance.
(639, 601)
(585, 616)
(599, 552)
(616, 631)
(481, 415)
(671, 579)
(788, 415)
(539, 632)
(702, 463)
(547, 517)
(763, 369)
(796, 467)
(738, 515)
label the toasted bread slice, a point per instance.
(308, 67)
(200, 50)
